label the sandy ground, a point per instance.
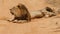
(49, 25)
(37, 26)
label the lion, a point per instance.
(21, 13)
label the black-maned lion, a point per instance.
(21, 13)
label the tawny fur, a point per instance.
(45, 12)
(20, 12)
(36, 14)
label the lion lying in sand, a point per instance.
(21, 13)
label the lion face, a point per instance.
(15, 11)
